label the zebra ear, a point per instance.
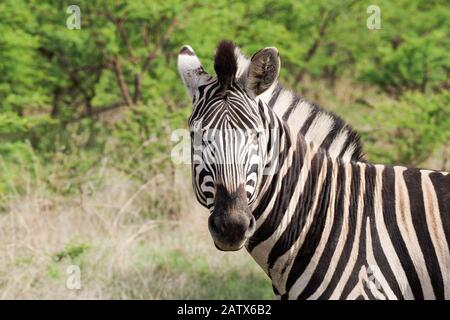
(263, 70)
(191, 70)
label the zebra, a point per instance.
(321, 226)
(321, 127)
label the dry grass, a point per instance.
(126, 248)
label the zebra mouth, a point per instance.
(230, 232)
(229, 248)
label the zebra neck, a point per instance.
(325, 225)
(292, 207)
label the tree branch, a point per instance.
(149, 58)
(327, 18)
(121, 81)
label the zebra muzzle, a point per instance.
(230, 231)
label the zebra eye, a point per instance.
(254, 136)
(257, 136)
(195, 135)
(249, 133)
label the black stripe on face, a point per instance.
(390, 220)
(244, 119)
(281, 204)
(273, 142)
(441, 186)
(197, 183)
(314, 234)
(206, 92)
(201, 90)
(346, 251)
(298, 220)
(413, 180)
(335, 233)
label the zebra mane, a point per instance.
(225, 63)
(324, 129)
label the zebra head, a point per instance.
(229, 140)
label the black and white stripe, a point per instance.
(350, 230)
(327, 225)
(226, 140)
(323, 128)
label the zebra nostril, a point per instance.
(251, 228)
(212, 224)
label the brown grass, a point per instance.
(124, 248)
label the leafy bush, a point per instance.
(419, 63)
(407, 131)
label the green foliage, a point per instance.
(75, 101)
(72, 251)
(228, 284)
(143, 138)
(14, 128)
(411, 128)
(16, 158)
(19, 59)
(420, 63)
(111, 90)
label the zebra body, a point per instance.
(348, 230)
(323, 225)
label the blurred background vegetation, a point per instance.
(86, 117)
